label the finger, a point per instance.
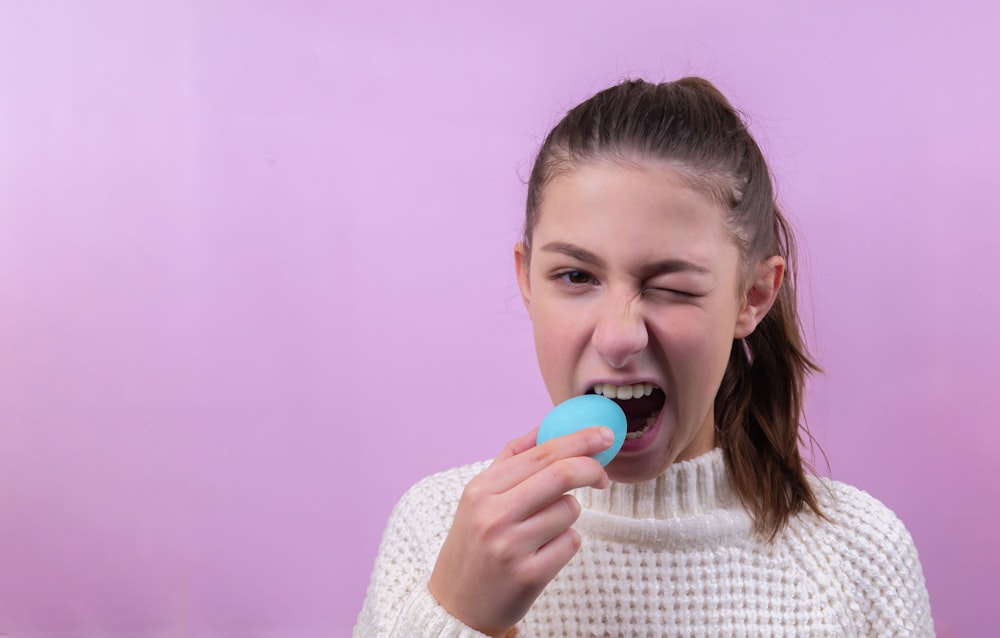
(516, 469)
(518, 445)
(553, 556)
(544, 487)
(543, 526)
(525, 442)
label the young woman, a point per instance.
(657, 270)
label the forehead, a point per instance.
(634, 211)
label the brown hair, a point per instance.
(691, 126)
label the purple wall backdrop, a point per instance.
(255, 278)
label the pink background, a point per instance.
(255, 278)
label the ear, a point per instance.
(521, 268)
(760, 296)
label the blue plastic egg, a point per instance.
(583, 412)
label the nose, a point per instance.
(620, 333)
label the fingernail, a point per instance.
(607, 436)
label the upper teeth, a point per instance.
(635, 391)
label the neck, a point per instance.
(687, 488)
(690, 505)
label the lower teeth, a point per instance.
(650, 420)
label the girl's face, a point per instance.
(634, 282)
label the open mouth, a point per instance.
(641, 403)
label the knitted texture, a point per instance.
(676, 556)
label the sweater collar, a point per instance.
(688, 488)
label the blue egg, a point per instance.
(582, 412)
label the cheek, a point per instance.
(696, 343)
(556, 347)
(556, 326)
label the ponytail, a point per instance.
(759, 405)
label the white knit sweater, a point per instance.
(676, 556)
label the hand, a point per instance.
(512, 533)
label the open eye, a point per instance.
(574, 278)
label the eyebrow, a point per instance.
(663, 267)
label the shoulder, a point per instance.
(398, 601)
(868, 558)
(848, 504)
(432, 500)
(855, 531)
(444, 485)
(860, 522)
